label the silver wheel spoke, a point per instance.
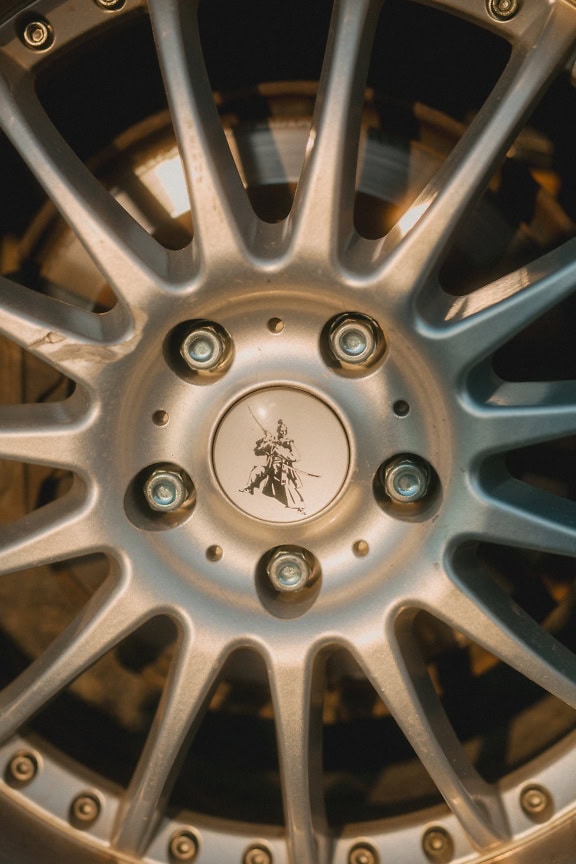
(522, 414)
(43, 434)
(223, 219)
(58, 531)
(124, 252)
(494, 621)
(108, 616)
(487, 318)
(185, 696)
(297, 690)
(400, 677)
(324, 203)
(516, 514)
(422, 235)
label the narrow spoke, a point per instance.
(517, 514)
(490, 618)
(222, 215)
(424, 232)
(124, 252)
(400, 677)
(69, 339)
(324, 204)
(107, 617)
(480, 323)
(297, 689)
(58, 531)
(43, 434)
(521, 414)
(185, 697)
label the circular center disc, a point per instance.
(281, 455)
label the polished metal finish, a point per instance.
(406, 479)
(362, 854)
(183, 846)
(353, 341)
(536, 803)
(85, 810)
(38, 35)
(166, 490)
(302, 271)
(22, 768)
(289, 571)
(438, 846)
(203, 349)
(110, 5)
(503, 10)
(257, 855)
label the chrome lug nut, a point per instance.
(22, 768)
(257, 855)
(406, 479)
(353, 339)
(167, 489)
(85, 810)
(536, 803)
(38, 35)
(203, 349)
(503, 10)
(183, 846)
(289, 571)
(438, 845)
(362, 854)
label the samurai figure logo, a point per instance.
(277, 477)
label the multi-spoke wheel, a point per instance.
(288, 511)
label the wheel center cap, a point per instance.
(281, 454)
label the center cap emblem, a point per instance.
(281, 455)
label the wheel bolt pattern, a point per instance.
(22, 768)
(503, 10)
(85, 810)
(363, 855)
(38, 35)
(183, 846)
(406, 479)
(166, 490)
(257, 855)
(289, 571)
(536, 803)
(353, 340)
(438, 845)
(203, 349)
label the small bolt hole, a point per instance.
(275, 325)
(401, 408)
(214, 553)
(361, 548)
(160, 418)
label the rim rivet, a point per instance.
(503, 10)
(363, 854)
(354, 340)
(167, 490)
(536, 803)
(203, 349)
(406, 479)
(22, 768)
(38, 35)
(257, 855)
(183, 846)
(438, 845)
(85, 810)
(289, 570)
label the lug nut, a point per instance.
(257, 855)
(22, 769)
(536, 803)
(289, 571)
(406, 479)
(503, 10)
(362, 855)
(38, 35)
(203, 349)
(166, 490)
(354, 339)
(85, 810)
(110, 5)
(183, 846)
(438, 845)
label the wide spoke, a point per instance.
(223, 219)
(490, 618)
(521, 414)
(297, 689)
(58, 531)
(424, 232)
(481, 322)
(187, 692)
(129, 258)
(399, 675)
(108, 616)
(43, 434)
(324, 204)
